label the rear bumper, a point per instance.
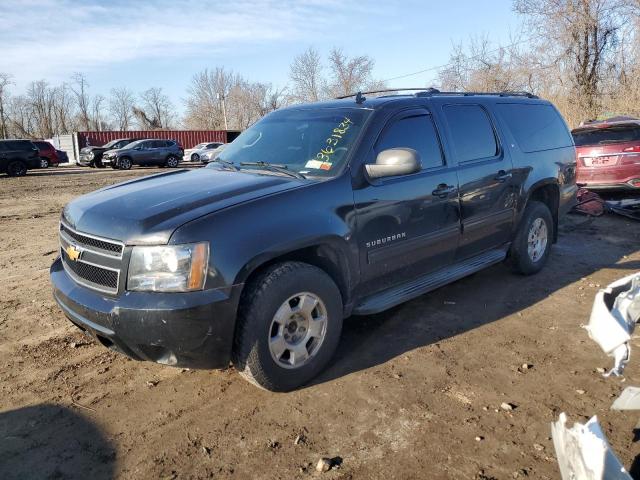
(192, 330)
(619, 177)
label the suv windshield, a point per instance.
(602, 136)
(312, 142)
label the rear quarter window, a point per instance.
(536, 127)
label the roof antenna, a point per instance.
(360, 98)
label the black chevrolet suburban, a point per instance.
(315, 213)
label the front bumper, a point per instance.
(192, 330)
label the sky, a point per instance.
(163, 43)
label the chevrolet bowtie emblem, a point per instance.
(73, 252)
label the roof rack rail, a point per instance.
(470, 94)
(384, 90)
(429, 92)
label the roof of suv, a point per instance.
(360, 99)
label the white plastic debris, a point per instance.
(584, 453)
(615, 312)
(629, 399)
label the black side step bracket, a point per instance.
(399, 294)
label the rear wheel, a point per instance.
(195, 157)
(289, 326)
(124, 163)
(532, 244)
(16, 168)
(44, 163)
(172, 161)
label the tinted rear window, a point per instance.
(536, 127)
(603, 136)
(471, 132)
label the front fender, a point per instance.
(250, 234)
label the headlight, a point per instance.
(91, 155)
(170, 268)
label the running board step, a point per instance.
(400, 294)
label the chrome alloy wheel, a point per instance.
(297, 330)
(537, 239)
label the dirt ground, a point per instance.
(412, 393)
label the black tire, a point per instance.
(260, 301)
(124, 163)
(195, 157)
(16, 168)
(44, 162)
(520, 258)
(172, 161)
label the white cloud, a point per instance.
(51, 39)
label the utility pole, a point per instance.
(224, 111)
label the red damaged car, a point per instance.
(608, 154)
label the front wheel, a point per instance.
(532, 244)
(172, 162)
(289, 326)
(124, 163)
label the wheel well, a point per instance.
(550, 196)
(324, 256)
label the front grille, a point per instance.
(92, 242)
(91, 273)
(98, 261)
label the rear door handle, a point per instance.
(503, 176)
(443, 190)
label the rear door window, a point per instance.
(471, 131)
(536, 127)
(19, 145)
(608, 135)
(416, 132)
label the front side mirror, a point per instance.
(394, 162)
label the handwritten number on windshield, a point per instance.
(324, 155)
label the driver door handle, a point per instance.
(443, 190)
(503, 176)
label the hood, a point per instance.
(90, 149)
(148, 210)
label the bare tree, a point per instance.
(306, 74)
(41, 98)
(5, 82)
(156, 110)
(580, 37)
(80, 89)
(350, 75)
(480, 67)
(207, 97)
(98, 120)
(121, 103)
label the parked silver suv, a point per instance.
(162, 153)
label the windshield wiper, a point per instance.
(226, 163)
(274, 168)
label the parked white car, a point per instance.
(194, 154)
(211, 155)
